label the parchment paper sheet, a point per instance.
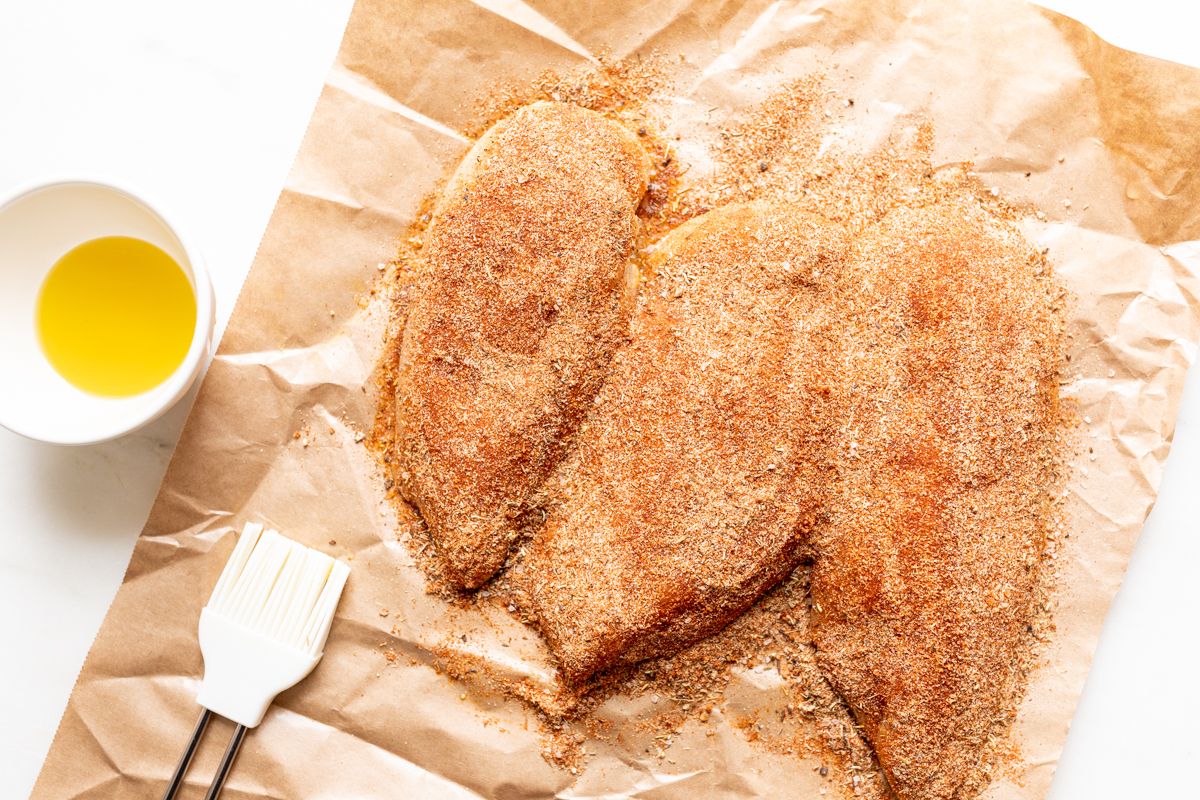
(1013, 88)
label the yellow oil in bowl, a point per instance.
(115, 316)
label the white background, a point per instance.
(202, 106)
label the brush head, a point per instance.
(265, 626)
(280, 588)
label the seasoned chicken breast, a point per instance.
(923, 584)
(703, 465)
(526, 295)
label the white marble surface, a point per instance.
(203, 105)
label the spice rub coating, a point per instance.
(695, 479)
(524, 297)
(923, 583)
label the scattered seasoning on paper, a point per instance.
(779, 151)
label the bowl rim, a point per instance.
(177, 384)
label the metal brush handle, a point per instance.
(186, 760)
(231, 751)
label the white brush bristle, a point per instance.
(280, 589)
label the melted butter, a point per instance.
(115, 316)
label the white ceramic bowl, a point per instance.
(38, 225)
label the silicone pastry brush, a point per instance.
(263, 631)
